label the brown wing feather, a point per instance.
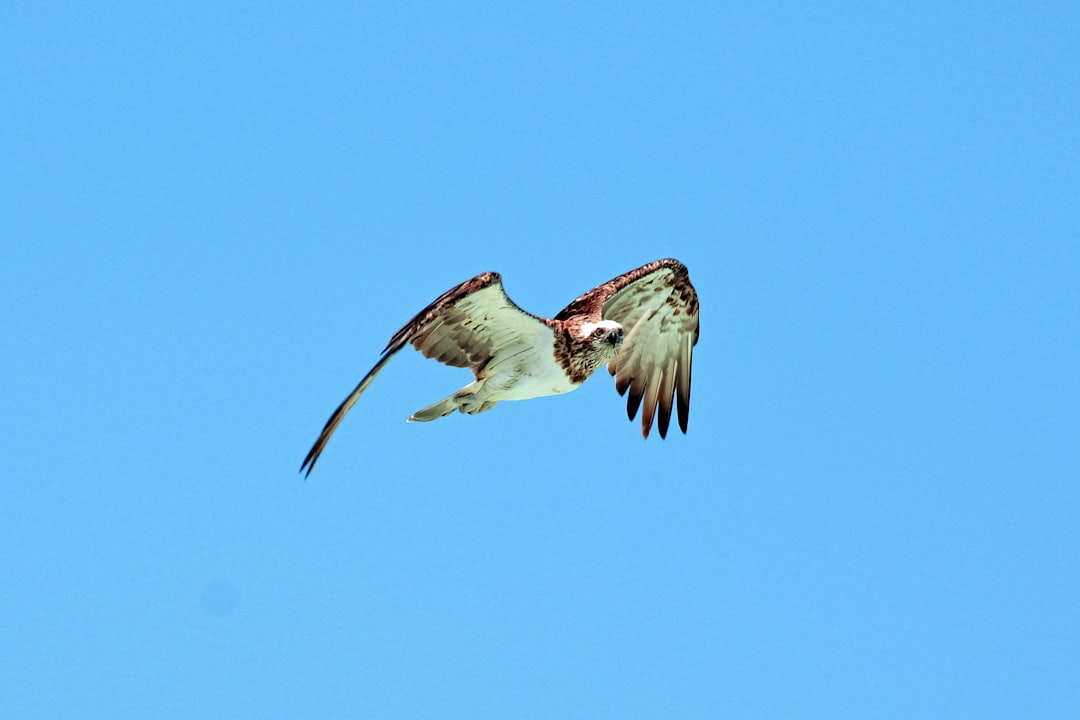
(434, 329)
(658, 308)
(461, 328)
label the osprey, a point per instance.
(642, 324)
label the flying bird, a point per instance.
(643, 325)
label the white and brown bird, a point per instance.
(643, 325)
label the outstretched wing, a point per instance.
(658, 309)
(464, 327)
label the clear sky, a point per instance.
(213, 218)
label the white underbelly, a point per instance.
(533, 385)
(528, 371)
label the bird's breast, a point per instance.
(527, 371)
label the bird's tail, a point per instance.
(440, 409)
(468, 399)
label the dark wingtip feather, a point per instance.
(324, 437)
(648, 410)
(633, 400)
(665, 417)
(313, 455)
(667, 395)
(684, 399)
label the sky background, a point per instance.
(213, 218)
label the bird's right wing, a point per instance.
(463, 327)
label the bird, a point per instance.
(642, 324)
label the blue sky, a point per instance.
(215, 217)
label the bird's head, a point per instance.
(606, 337)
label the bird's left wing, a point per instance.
(658, 309)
